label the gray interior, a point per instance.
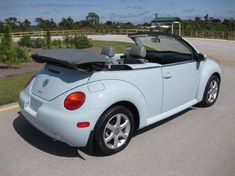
(108, 51)
(136, 55)
(138, 51)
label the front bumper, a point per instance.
(55, 121)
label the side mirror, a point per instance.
(201, 57)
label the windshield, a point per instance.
(164, 49)
(163, 43)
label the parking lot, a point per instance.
(197, 142)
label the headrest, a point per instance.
(108, 51)
(138, 51)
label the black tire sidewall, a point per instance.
(99, 128)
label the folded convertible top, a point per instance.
(68, 57)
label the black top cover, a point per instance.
(68, 57)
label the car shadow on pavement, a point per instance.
(46, 144)
(95, 153)
(42, 142)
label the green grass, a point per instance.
(10, 87)
(120, 47)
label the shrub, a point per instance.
(81, 41)
(68, 40)
(25, 41)
(22, 54)
(57, 43)
(37, 43)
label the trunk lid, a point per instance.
(53, 81)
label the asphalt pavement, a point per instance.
(196, 142)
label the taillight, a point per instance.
(29, 81)
(74, 100)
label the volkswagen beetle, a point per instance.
(80, 97)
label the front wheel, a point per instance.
(114, 130)
(211, 91)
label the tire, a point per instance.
(211, 92)
(114, 130)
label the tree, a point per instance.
(197, 19)
(25, 25)
(40, 22)
(84, 23)
(92, 18)
(206, 17)
(7, 37)
(7, 51)
(12, 21)
(52, 24)
(45, 24)
(66, 23)
(108, 23)
(1, 26)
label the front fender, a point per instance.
(114, 91)
(210, 67)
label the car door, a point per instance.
(180, 73)
(180, 82)
(180, 70)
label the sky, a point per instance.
(135, 11)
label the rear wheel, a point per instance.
(211, 91)
(114, 130)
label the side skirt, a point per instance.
(176, 110)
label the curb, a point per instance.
(9, 106)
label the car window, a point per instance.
(165, 49)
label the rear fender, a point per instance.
(115, 91)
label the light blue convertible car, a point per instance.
(82, 98)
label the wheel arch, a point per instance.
(210, 68)
(217, 74)
(132, 108)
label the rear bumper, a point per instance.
(54, 120)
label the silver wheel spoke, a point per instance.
(210, 90)
(110, 127)
(109, 138)
(125, 124)
(115, 144)
(123, 135)
(214, 85)
(214, 96)
(118, 120)
(215, 90)
(209, 97)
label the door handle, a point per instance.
(167, 76)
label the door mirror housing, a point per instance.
(201, 57)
